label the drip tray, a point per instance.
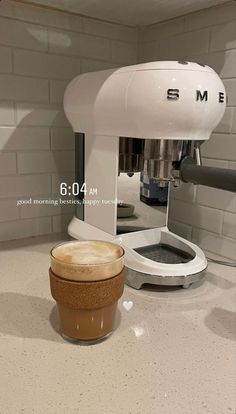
(164, 253)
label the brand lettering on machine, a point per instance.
(174, 95)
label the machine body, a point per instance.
(157, 113)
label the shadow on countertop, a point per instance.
(26, 316)
(222, 323)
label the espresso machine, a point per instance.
(157, 114)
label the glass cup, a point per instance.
(86, 280)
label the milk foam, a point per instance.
(87, 252)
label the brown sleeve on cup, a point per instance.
(87, 295)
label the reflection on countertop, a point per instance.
(173, 349)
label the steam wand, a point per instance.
(221, 178)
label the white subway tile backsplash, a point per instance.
(62, 177)
(71, 43)
(226, 122)
(109, 30)
(57, 89)
(161, 30)
(64, 161)
(229, 225)
(230, 87)
(199, 216)
(90, 65)
(11, 230)
(6, 8)
(5, 59)
(223, 62)
(185, 191)
(183, 230)
(21, 88)
(223, 246)
(45, 205)
(62, 139)
(221, 146)
(46, 17)
(186, 44)
(148, 52)
(26, 35)
(211, 162)
(7, 113)
(46, 161)
(7, 163)
(210, 16)
(45, 65)
(60, 223)
(124, 53)
(24, 186)
(223, 36)
(24, 138)
(207, 37)
(8, 210)
(41, 50)
(220, 199)
(40, 115)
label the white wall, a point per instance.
(202, 214)
(40, 51)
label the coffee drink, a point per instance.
(88, 252)
(87, 279)
(87, 260)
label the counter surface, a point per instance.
(173, 352)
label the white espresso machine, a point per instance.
(156, 113)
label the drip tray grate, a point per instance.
(164, 253)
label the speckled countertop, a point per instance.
(172, 353)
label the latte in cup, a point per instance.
(87, 279)
(87, 260)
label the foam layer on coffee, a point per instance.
(87, 260)
(90, 252)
